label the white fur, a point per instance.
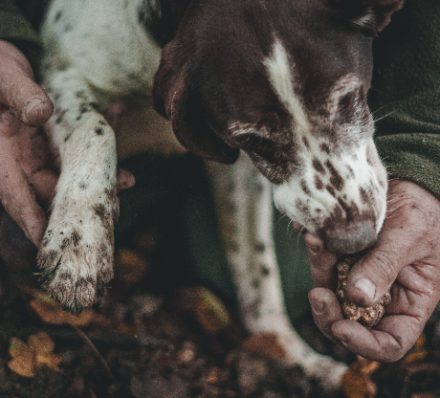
(279, 69)
(96, 53)
(247, 231)
(320, 203)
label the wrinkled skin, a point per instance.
(26, 176)
(405, 259)
(23, 151)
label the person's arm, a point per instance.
(17, 30)
(405, 97)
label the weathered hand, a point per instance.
(405, 259)
(23, 152)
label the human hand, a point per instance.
(406, 259)
(23, 151)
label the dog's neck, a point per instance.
(162, 17)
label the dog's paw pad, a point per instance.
(75, 272)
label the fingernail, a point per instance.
(33, 110)
(318, 307)
(314, 250)
(343, 340)
(366, 287)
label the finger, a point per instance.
(126, 180)
(18, 90)
(9, 124)
(389, 342)
(44, 182)
(16, 195)
(325, 309)
(322, 262)
(374, 274)
(114, 114)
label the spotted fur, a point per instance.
(288, 92)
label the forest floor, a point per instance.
(144, 341)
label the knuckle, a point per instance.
(386, 267)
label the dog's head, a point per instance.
(285, 81)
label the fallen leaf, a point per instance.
(357, 382)
(23, 360)
(52, 313)
(213, 376)
(365, 366)
(266, 345)
(38, 352)
(130, 267)
(208, 310)
(356, 385)
(417, 354)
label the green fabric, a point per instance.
(177, 193)
(406, 94)
(15, 28)
(208, 256)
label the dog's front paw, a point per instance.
(76, 255)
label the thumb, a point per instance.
(375, 273)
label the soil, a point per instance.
(146, 340)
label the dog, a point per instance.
(276, 90)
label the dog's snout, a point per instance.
(350, 238)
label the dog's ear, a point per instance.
(372, 16)
(175, 97)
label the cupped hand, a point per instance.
(406, 259)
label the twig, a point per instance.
(92, 346)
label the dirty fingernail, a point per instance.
(366, 287)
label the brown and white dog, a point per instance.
(282, 82)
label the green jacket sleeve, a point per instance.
(16, 29)
(406, 94)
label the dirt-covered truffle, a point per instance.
(370, 316)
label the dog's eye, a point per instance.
(347, 103)
(348, 106)
(255, 143)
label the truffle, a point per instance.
(370, 316)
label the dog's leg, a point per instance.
(244, 204)
(76, 254)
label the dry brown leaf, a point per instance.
(417, 354)
(207, 309)
(356, 385)
(52, 313)
(266, 345)
(130, 267)
(213, 376)
(38, 352)
(365, 366)
(22, 358)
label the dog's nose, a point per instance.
(350, 238)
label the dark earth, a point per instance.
(156, 337)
